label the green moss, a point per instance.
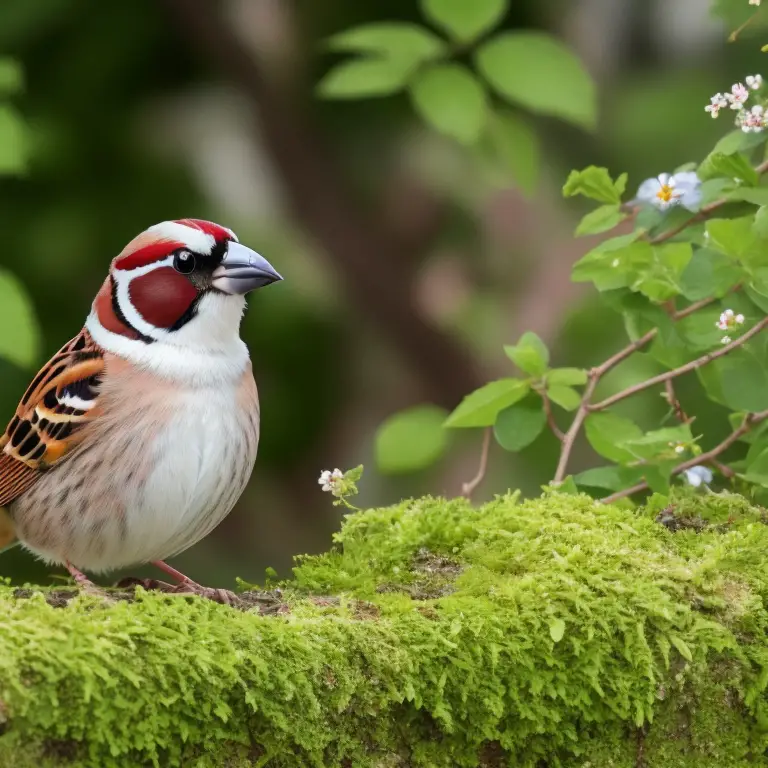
(552, 632)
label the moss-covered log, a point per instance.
(554, 632)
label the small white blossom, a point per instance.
(679, 448)
(716, 103)
(754, 2)
(698, 475)
(726, 340)
(752, 120)
(729, 320)
(330, 480)
(754, 82)
(738, 95)
(667, 190)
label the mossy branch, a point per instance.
(553, 631)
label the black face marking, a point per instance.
(190, 313)
(121, 317)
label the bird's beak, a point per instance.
(242, 270)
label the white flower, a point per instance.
(698, 475)
(725, 340)
(738, 95)
(754, 81)
(754, 2)
(679, 448)
(752, 120)
(716, 103)
(330, 480)
(728, 320)
(667, 190)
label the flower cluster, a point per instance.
(752, 119)
(341, 484)
(667, 190)
(754, 2)
(728, 320)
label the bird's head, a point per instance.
(179, 284)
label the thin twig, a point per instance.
(675, 372)
(674, 403)
(597, 373)
(709, 457)
(556, 431)
(467, 489)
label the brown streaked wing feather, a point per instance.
(50, 415)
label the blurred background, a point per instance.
(408, 264)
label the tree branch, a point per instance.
(597, 373)
(710, 457)
(675, 372)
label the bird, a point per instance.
(140, 434)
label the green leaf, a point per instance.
(613, 478)
(610, 270)
(709, 273)
(760, 225)
(658, 280)
(738, 141)
(464, 21)
(596, 184)
(411, 440)
(519, 425)
(607, 430)
(736, 238)
(354, 474)
(564, 396)
(363, 78)
(734, 166)
(537, 71)
(14, 147)
(401, 41)
(658, 476)
(481, 407)
(449, 97)
(11, 77)
(755, 195)
(556, 629)
(757, 469)
(602, 219)
(744, 380)
(568, 376)
(530, 354)
(20, 334)
(657, 443)
(512, 150)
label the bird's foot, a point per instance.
(84, 584)
(185, 586)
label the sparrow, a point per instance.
(137, 438)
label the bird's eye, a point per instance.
(184, 261)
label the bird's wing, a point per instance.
(62, 398)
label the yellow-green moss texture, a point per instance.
(555, 632)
